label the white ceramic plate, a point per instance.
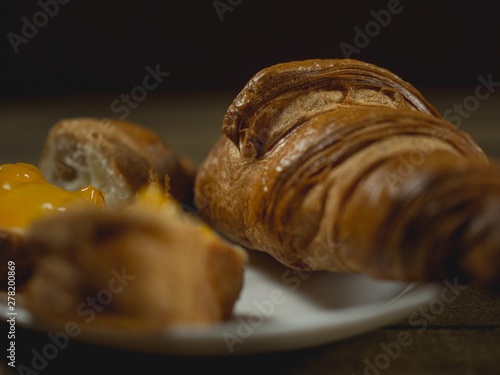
(278, 310)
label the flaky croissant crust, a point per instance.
(284, 95)
(338, 185)
(283, 200)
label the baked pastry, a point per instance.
(133, 256)
(150, 264)
(342, 166)
(115, 157)
(279, 98)
(26, 196)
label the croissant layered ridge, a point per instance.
(282, 96)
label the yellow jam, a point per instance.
(153, 198)
(25, 196)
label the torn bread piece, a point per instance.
(114, 156)
(149, 264)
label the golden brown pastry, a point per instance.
(114, 156)
(283, 96)
(150, 264)
(340, 165)
(132, 256)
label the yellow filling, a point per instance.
(153, 197)
(25, 196)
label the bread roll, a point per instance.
(115, 157)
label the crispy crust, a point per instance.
(283, 96)
(287, 202)
(316, 192)
(114, 156)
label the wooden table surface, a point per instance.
(463, 339)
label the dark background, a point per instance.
(104, 46)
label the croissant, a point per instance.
(340, 165)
